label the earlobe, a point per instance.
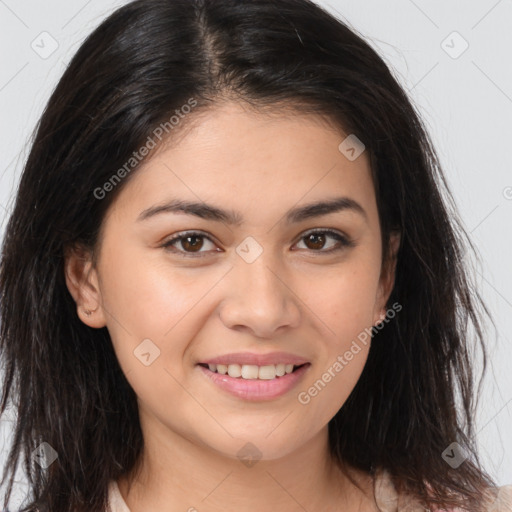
(83, 285)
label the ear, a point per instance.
(387, 278)
(83, 284)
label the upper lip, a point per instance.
(257, 359)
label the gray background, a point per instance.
(464, 95)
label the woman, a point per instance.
(231, 281)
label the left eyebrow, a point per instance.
(320, 208)
(295, 215)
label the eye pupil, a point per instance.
(320, 240)
(195, 246)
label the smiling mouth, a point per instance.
(255, 383)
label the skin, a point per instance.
(294, 297)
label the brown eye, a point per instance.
(191, 244)
(316, 241)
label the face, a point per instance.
(252, 268)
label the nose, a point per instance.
(259, 299)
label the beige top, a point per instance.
(386, 497)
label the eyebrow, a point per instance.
(210, 212)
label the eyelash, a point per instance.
(343, 241)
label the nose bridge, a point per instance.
(259, 281)
(260, 276)
(259, 298)
(253, 261)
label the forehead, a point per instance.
(234, 156)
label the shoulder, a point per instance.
(501, 501)
(116, 501)
(389, 501)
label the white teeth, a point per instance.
(281, 369)
(234, 370)
(251, 371)
(221, 368)
(267, 372)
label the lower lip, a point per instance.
(256, 389)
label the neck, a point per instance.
(177, 474)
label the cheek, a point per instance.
(344, 301)
(328, 388)
(144, 293)
(345, 298)
(345, 307)
(147, 299)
